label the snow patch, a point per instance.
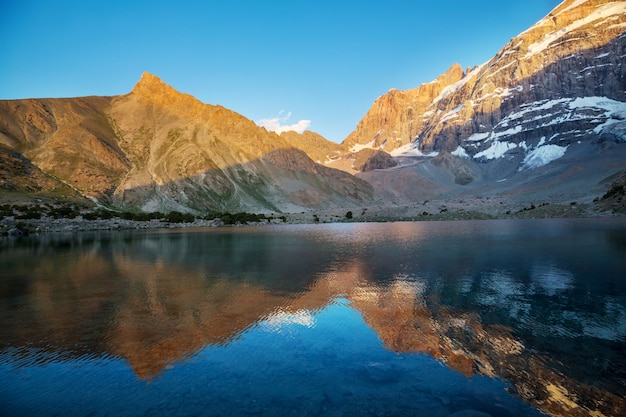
(573, 5)
(503, 67)
(542, 141)
(509, 132)
(614, 111)
(451, 114)
(547, 110)
(603, 103)
(542, 155)
(493, 135)
(411, 149)
(461, 153)
(476, 137)
(496, 150)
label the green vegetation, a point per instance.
(29, 212)
(238, 218)
(616, 190)
(71, 211)
(178, 217)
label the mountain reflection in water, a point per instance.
(538, 304)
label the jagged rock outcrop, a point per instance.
(158, 149)
(545, 118)
(559, 82)
(396, 118)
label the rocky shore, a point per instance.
(471, 209)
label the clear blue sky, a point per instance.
(323, 61)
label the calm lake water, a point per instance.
(474, 319)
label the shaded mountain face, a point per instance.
(158, 149)
(561, 80)
(556, 92)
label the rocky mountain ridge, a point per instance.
(552, 100)
(158, 149)
(570, 62)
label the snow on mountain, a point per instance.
(563, 79)
(496, 150)
(542, 155)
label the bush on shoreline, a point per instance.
(71, 211)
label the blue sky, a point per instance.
(291, 61)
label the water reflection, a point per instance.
(538, 304)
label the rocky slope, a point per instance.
(562, 79)
(317, 147)
(553, 93)
(158, 149)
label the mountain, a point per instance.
(158, 149)
(319, 149)
(547, 114)
(543, 120)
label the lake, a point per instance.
(474, 319)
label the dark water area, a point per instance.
(475, 319)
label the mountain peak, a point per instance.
(156, 91)
(147, 78)
(455, 71)
(151, 84)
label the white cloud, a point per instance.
(277, 124)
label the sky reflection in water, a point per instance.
(346, 319)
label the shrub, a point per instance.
(104, 214)
(92, 215)
(178, 217)
(30, 213)
(241, 217)
(349, 215)
(615, 190)
(68, 212)
(126, 215)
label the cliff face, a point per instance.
(158, 149)
(559, 82)
(396, 118)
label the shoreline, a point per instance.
(484, 209)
